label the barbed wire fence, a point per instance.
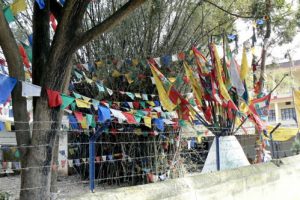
(126, 157)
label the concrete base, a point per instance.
(266, 181)
(231, 155)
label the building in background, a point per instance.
(282, 107)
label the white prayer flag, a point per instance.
(30, 90)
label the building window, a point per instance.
(271, 116)
(288, 113)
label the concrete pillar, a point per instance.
(277, 112)
(63, 154)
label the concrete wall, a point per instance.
(263, 181)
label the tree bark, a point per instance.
(15, 66)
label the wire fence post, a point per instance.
(218, 152)
(92, 163)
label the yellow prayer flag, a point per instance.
(244, 66)
(135, 62)
(222, 87)
(172, 79)
(116, 74)
(151, 103)
(197, 90)
(99, 63)
(88, 80)
(147, 121)
(282, 133)
(297, 105)
(18, 6)
(129, 79)
(163, 96)
(82, 104)
(84, 123)
(154, 115)
(8, 126)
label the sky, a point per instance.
(244, 30)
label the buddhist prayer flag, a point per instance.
(54, 98)
(162, 87)
(297, 105)
(31, 90)
(235, 78)
(197, 90)
(103, 114)
(18, 6)
(130, 118)
(7, 84)
(260, 106)
(24, 56)
(8, 14)
(66, 101)
(147, 121)
(41, 3)
(244, 66)
(282, 133)
(82, 104)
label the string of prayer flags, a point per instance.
(8, 14)
(7, 84)
(18, 6)
(103, 114)
(54, 98)
(30, 90)
(41, 4)
(66, 101)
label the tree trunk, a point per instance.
(53, 73)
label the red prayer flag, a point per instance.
(136, 105)
(130, 118)
(24, 56)
(78, 116)
(53, 22)
(54, 98)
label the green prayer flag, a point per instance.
(100, 87)
(8, 14)
(78, 75)
(17, 154)
(182, 123)
(131, 95)
(73, 106)
(192, 102)
(137, 118)
(143, 104)
(66, 101)
(140, 113)
(90, 120)
(77, 96)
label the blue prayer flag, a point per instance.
(30, 39)
(7, 84)
(2, 126)
(159, 123)
(103, 114)
(62, 2)
(41, 4)
(73, 122)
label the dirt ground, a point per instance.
(68, 187)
